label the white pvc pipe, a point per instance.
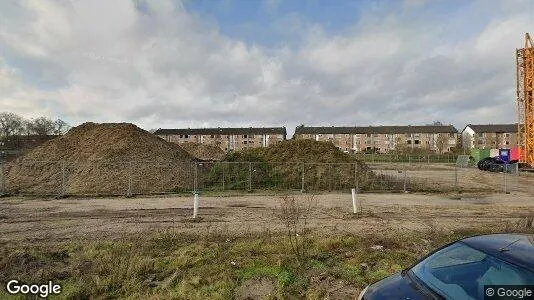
(354, 207)
(195, 206)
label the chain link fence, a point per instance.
(108, 178)
(407, 158)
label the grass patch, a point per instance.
(178, 266)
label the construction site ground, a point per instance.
(52, 220)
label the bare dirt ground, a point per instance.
(26, 219)
(444, 177)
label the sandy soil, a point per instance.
(24, 219)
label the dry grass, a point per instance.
(216, 265)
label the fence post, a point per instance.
(129, 193)
(505, 169)
(302, 184)
(356, 175)
(354, 207)
(360, 202)
(195, 205)
(330, 177)
(405, 177)
(3, 182)
(456, 178)
(223, 164)
(62, 189)
(195, 183)
(250, 176)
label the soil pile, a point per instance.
(109, 158)
(308, 151)
(204, 152)
(282, 165)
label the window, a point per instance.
(417, 142)
(460, 272)
(409, 142)
(375, 135)
(245, 142)
(186, 136)
(507, 143)
(212, 136)
(181, 136)
(451, 135)
(480, 135)
(244, 136)
(368, 135)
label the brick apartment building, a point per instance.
(228, 139)
(489, 136)
(384, 138)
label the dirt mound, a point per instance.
(293, 164)
(109, 158)
(295, 151)
(203, 151)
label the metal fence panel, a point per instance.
(131, 178)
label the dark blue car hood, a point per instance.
(395, 285)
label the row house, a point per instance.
(228, 139)
(439, 138)
(488, 136)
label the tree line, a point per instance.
(12, 124)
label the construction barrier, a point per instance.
(475, 154)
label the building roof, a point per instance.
(490, 128)
(377, 129)
(222, 131)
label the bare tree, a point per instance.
(61, 127)
(400, 147)
(42, 126)
(441, 143)
(10, 124)
(467, 140)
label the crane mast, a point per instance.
(525, 100)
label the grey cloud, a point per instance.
(158, 65)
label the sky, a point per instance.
(221, 63)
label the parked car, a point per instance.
(460, 270)
(495, 164)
